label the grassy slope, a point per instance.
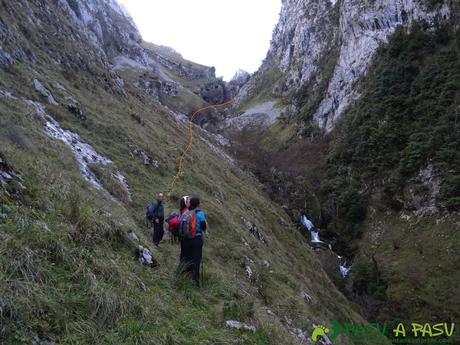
(68, 270)
(417, 263)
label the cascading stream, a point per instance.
(315, 239)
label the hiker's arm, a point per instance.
(156, 217)
(204, 223)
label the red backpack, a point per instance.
(173, 222)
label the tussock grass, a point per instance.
(68, 270)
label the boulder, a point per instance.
(252, 228)
(146, 160)
(74, 107)
(44, 92)
(306, 297)
(132, 235)
(249, 272)
(145, 257)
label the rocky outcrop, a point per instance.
(156, 88)
(254, 230)
(239, 325)
(145, 159)
(323, 48)
(362, 30)
(422, 192)
(44, 92)
(240, 78)
(184, 69)
(108, 26)
(214, 92)
(85, 155)
(11, 182)
(261, 115)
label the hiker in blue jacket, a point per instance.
(195, 225)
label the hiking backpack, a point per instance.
(151, 209)
(187, 225)
(173, 221)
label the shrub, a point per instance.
(238, 310)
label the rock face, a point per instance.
(11, 182)
(44, 92)
(108, 26)
(239, 325)
(261, 115)
(324, 47)
(214, 92)
(240, 78)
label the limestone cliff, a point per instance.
(323, 48)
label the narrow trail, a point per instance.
(185, 152)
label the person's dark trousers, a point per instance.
(185, 261)
(158, 232)
(197, 254)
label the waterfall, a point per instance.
(315, 237)
(308, 224)
(344, 269)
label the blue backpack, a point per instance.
(151, 209)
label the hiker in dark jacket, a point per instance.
(192, 247)
(158, 219)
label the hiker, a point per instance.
(155, 215)
(192, 226)
(173, 220)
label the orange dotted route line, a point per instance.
(190, 138)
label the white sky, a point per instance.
(225, 34)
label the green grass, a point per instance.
(69, 272)
(416, 263)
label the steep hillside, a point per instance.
(392, 176)
(365, 143)
(87, 140)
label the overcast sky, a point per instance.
(221, 33)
